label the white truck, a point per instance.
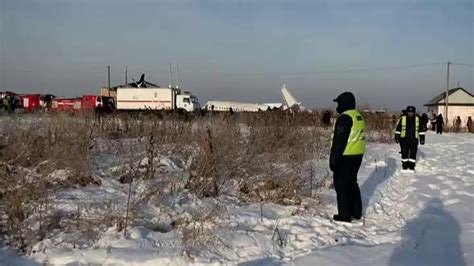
(156, 99)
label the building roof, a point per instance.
(441, 97)
(134, 84)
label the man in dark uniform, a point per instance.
(347, 150)
(433, 122)
(410, 131)
(439, 124)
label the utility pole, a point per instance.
(446, 100)
(108, 76)
(126, 76)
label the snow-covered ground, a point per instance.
(425, 218)
(434, 209)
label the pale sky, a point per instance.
(242, 50)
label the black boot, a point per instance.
(339, 218)
(405, 165)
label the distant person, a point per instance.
(326, 119)
(8, 104)
(410, 131)
(47, 101)
(231, 111)
(469, 125)
(424, 119)
(347, 150)
(439, 124)
(4, 103)
(433, 122)
(457, 124)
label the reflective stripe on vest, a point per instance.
(356, 141)
(403, 132)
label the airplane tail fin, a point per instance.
(290, 101)
(141, 82)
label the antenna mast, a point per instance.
(177, 76)
(169, 77)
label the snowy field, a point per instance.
(425, 218)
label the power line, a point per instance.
(463, 64)
(342, 71)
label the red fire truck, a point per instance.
(84, 103)
(36, 102)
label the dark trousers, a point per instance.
(439, 129)
(409, 150)
(349, 202)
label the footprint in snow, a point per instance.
(445, 192)
(465, 193)
(451, 202)
(454, 187)
(448, 182)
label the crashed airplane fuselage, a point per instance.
(289, 103)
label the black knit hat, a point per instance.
(411, 109)
(345, 101)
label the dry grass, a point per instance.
(380, 127)
(37, 159)
(262, 157)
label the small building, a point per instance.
(460, 103)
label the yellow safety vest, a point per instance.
(356, 142)
(403, 132)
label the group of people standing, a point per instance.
(457, 125)
(437, 122)
(8, 103)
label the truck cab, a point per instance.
(107, 103)
(187, 102)
(97, 103)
